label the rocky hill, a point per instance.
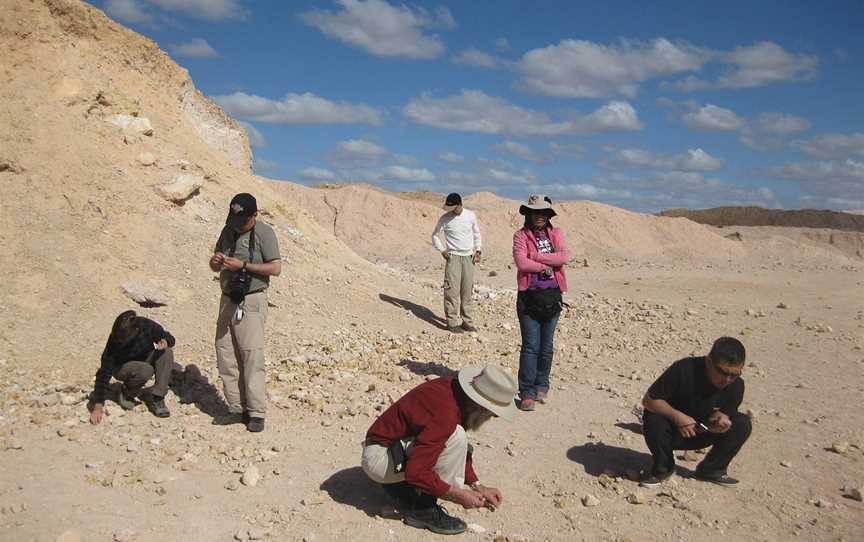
(758, 216)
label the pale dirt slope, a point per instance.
(348, 335)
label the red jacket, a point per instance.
(529, 260)
(429, 413)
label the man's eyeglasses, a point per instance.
(724, 372)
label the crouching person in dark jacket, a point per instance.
(137, 349)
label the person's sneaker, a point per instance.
(436, 519)
(158, 407)
(542, 396)
(231, 418)
(126, 400)
(526, 404)
(469, 327)
(650, 479)
(255, 425)
(455, 329)
(719, 479)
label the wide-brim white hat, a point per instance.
(538, 202)
(491, 387)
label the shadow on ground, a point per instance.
(192, 387)
(419, 311)
(630, 426)
(425, 368)
(354, 488)
(597, 458)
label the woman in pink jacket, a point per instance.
(540, 254)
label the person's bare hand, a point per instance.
(719, 422)
(445, 254)
(161, 345)
(468, 498)
(491, 494)
(232, 264)
(686, 425)
(217, 259)
(477, 258)
(97, 414)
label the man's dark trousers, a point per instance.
(662, 437)
(135, 374)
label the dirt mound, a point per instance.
(758, 216)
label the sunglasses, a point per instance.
(724, 372)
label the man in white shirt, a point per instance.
(461, 251)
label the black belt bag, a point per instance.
(542, 303)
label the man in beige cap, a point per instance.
(418, 448)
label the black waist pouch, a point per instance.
(399, 456)
(542, 303)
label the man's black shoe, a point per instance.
(436, 519)
(125, 399)
(719, 479)
(654, 479)
(158, 407)
(255, 425)
(230, 419)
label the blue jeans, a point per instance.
(535, 357)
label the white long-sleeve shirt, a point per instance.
(461, 233)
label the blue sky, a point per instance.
(647, 107)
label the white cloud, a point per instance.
(256, 138)
(401, 173)
(476, 57)
(129, 11)
(382, 29)
(508, 177)
(451, 157)
(476, 111)
(578, 68)
(316, 174)
(502, 44)
(691, 160)
(833, 145)
(781, 124)
(360, 150)
(518, 149)
(262, 165)
(215, 10)
(711, 117)
(821, 171)
(195, 48)
(573, 150)
(304, 108)
(755, 65)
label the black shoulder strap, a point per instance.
(251, 243)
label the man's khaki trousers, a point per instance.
(458, 288)
(240, 354)
(378, 465)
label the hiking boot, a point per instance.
(455, 329)
(125, 399)
(158, 407)
(436, 519)
(230, 419)
(542, 396)
(719, 479)
(469, 327)
(255, 425)
(526, 404)
(654, 479)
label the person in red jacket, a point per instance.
(540, 254)
(418, 449)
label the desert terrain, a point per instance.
(116, 176)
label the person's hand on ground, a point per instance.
(232, 264)
(468, 498)
(97, 414)
(491, 494)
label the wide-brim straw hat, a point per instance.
(491, 387)
(538, 202)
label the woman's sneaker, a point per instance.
(436, 519)
(654, 479)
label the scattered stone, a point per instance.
(475, 528)
(785, 464)
(590, 500)
(840, 448)
(69, 536)
(232, 485)
(133, 446)
(241, 535)
(14, 444)
(125, 535)
(257, 534)
(855, 493)
(691, 455)
(145, 294)
(636, 498)
(146, 159)
(251, 476)
(180, 188)
(131, 124)
(782, 305)
(821, 502)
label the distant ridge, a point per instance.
(758, 216)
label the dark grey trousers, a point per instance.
(135, 374)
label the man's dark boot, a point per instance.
(436, 519)
(126, 399)
(255, 425)
(158, 407)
